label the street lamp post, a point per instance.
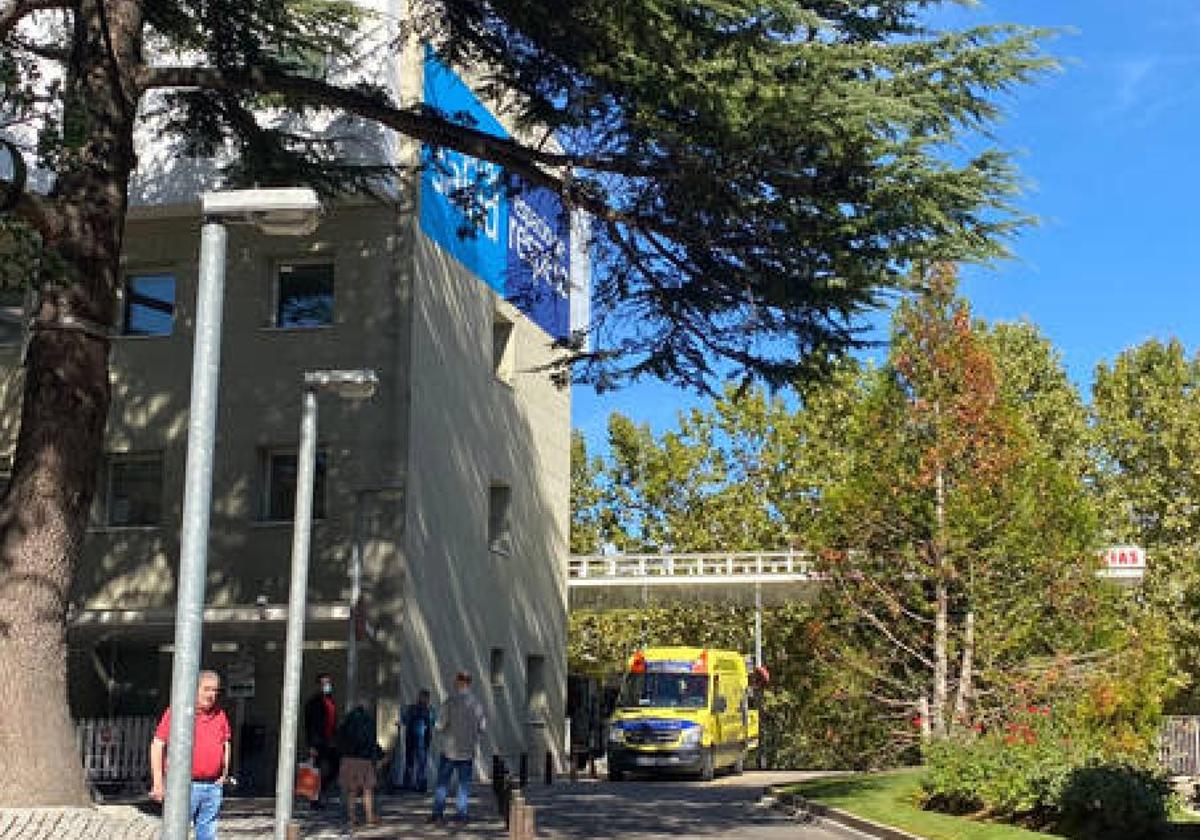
(348, 384)
(279, 212)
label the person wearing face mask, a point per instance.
(320, 730)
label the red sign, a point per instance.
(1125, 557)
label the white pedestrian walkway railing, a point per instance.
(685, 569)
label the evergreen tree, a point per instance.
(955, 524)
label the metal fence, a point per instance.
(1179, 746)
(115, 751)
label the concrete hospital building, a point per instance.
(450, 485)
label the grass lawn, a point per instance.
(890, 798)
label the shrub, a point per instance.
(1113, 801)
(1038, 773)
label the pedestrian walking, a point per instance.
(459, 724)
(210, 756)
(418, 722)
(320, 731)
(359, 750)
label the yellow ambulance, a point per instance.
(682, 709)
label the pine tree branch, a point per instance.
(540, 167)
(882, 627)
(38, 212)
(46, 51)
(13, 13)
(895, 603)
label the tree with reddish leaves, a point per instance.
(950, 524)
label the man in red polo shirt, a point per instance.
(210, 756)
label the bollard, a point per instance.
(548, 777)
(524, 777)
(501, 786)
(516, 822)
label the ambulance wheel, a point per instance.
(708, 766)
(615, 775)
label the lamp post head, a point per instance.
(284, 211)
(347, 384)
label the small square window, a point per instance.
(134, 490)
(496, 668)
(279, 485)
(499, 527)
(535, 687)
(503, 352)
(149, 304)
(304, 295)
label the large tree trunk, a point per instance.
(44, 516)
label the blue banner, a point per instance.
(512, 236)
(538, 281)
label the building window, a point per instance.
(496, 668)
(279, 485)
(503, 348)
(499, 526)
(535, 687)
(149, 304)
(304, 295)
(133, 494)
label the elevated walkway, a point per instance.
(614, 580)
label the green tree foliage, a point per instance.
(951, 481)
(759, 173)
(587, 510)
(960, 523)
(732, 477)
(1147, 427)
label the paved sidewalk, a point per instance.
(402, 815)
(243, 819)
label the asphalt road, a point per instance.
(651, 809)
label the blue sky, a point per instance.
(1110, 150)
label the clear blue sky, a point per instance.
(1110, 150)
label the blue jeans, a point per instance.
(206, 804)
(415, 762)
(462, 771)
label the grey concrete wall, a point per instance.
(470, 430)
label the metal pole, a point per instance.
(306, 467)
(757, 624)
(356, 565)
(193, 537)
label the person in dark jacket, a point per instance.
(418, 721)
(359, 750)
(320, 732)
